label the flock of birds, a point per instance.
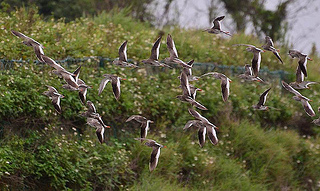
(74, 83)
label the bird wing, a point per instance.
(52, 63)
(303, 64)
(307, 108)
(248, 70)
(56, 102)
(190, 123)
(299, 75)
(263, 97)
(212, 135)
(256, 60)
(91, 107)
(103, 84)
(185, 84)
(269, 41)
(83, 94)
(76, 74)
(225, 88)
(123, 51)
(39, 52)
(202, 136)
(171, 47)
(154, 158)
(276, 53)
(216, 22)
(144, 129)
(290, 89)
(116, 87)
(100, 133)
(138, 118)
(25, 37)
(155, 49)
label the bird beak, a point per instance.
(309, 58)
(123, 79)
(164, 146)
(217, 128)
(199, 89)
(62, 96)
(278, 50)
(108, 127)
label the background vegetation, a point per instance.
(273, 150)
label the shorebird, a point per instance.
(94, 120)
(122, 60)
(303, 58)
(92, 113)
(256, 60)
(55, 96)
(270, 47)
(201, 130)
(60, 71)
(210, 128)
(298, 97)
(248, 74)
(144, 124)
(188, 71)
(186, 93)
(317, 121)
(262, 101)
(300, 83)
(225, 83)
(115, 82)
(193, 91)
(215, 29)
(100, 128)
(155, 151)
(153, 59)
(37, 47)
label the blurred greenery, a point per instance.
(276, 149)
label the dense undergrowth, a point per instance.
(266, 150)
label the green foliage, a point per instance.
(258, 150)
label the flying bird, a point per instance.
(37, 47)
(115, 82)
(300, 83)
(256, 60)
(122, 60)
(303, 58)
(298, 97)
(262, 101)
(210, 128)
(225, 83)
(201, 130)
(248, 74)
(153, 59)
(269, 46)
(155, 151)
(215, 29)
(55, 96)
(187, 96)
(144, 124)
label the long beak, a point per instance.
(108, 127)
(123, 79)
(309, 59)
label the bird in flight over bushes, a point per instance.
(216, 29)
(37, 47)
(155, 151)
